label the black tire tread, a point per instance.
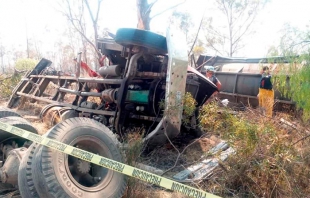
(25, 181)
(40, 184)
(55, 189)
(151, 40)
(6, 112)
(19, 123)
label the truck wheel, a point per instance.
(19, 123)
(25, 180)
(150, 40)
(37, 174)
(5, 112)
(68, 176)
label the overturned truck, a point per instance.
(240, 78)
(140, 76)
(143, 85)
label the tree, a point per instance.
(94, 18)
(25, 64)
(2, 53)
(183, 20)
(75, 12)
(273, 51)
(144, 10)
(295, 47)
(239, 16)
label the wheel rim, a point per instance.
(85, 175)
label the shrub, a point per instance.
(9, 81)
(266, 163)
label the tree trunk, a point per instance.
(143, 15)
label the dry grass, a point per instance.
(267, 162)
(28, 107)
(164, 158)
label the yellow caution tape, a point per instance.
(108, 163)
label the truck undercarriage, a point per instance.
(143, 85)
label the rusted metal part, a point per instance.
(52, 116)
(110, 71)
(151, 74)
(80, 93)
(9, 171)
(45, 109)
(6, 150)
(109, 95)
(101, 112)
(109, 44)
(142, 117)
(132, 68)
(73, 79)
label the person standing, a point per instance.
(266, 92)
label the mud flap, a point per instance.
(169, 126)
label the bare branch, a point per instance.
(216, 33)
(150, 7)
(90, 12)
(197, 32)
(213, 47)
(240, 14)
(179, 153)
(303, 138)
(167, 9)
(244, 32)
(78, 20)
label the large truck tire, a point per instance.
(68, 176)
(19, 123)
(6, 112)
(36, 172)
(144, 38)
(25, 179)
(30, 182)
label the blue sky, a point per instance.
(40, 15)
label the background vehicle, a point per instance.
(240, 78)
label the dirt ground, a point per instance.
(31, 113)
